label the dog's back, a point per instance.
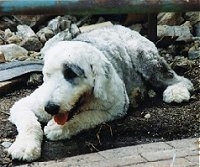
(120, 45)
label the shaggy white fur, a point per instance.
(94, 78)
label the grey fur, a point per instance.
(134, 57)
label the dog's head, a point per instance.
(74, 74)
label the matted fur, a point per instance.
(112, 66)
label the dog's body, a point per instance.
(93, 78)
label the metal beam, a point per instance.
(10, 7)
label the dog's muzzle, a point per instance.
(61, 117)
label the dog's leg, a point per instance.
(27, 145)
(84, 120)
(157, 72)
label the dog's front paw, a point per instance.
(176, 93)
(53, 131)
(26, 149)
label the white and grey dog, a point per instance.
(90, 80)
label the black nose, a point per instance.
(52, 108)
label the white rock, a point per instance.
(6, 144)
(59, 24)
(25, 31)
(147, 116)
(181, 32)
(13, 51)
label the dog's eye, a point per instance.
(71, 71)
(69, 74)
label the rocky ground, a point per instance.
(23, 37)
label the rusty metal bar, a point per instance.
(96, 6)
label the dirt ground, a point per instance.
(153, 121)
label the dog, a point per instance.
(89, 80)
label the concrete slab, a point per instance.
(176, 153)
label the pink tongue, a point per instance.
(61, 118)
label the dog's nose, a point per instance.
(52, 108)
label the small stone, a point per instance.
(147, 116)
(35, 79)
(74, 30)
(34, 55)
(14, 39)
(181, 65)
(193, 97)
(188, 24)
(2, 58)
(6, 144)
(45, 34)
(151, 93)
(193, 54)
(197, 29)
(8, 33)
(2, 37)
(22, 58)
(31, 44)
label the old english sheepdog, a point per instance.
(90, 80)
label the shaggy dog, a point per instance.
(90, 80)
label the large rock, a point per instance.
(13, 52)
(64, 35)
(193, 17)
(67, 34)
(30, 40)
(181, 32)
(59, 24)
(25, 31)
(31, 44)
(8, 22)
(170, 18)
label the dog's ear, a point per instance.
(102, 77)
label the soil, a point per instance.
(153, 121)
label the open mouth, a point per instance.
(62, 118)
